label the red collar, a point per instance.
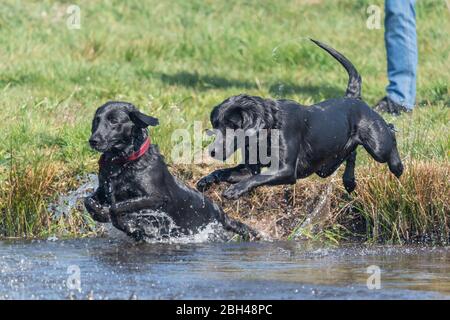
(137, 154)
(134, 156)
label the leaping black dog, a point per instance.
(314, 139)
(134, 177)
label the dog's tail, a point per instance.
(354, 81)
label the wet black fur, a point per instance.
(119, 129)
(314, 139)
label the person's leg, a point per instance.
(401, 47)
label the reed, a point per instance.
(24, 199)
(383, 209)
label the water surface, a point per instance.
(117, 269)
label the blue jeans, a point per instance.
(401, 47)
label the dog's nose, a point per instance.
(94, 142)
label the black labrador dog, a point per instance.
(134, 177)
(314, 139)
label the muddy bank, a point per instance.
(415, 208)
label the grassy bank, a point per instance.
(176, 60)
(383, 209)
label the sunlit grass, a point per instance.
(176, 60)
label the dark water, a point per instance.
(117, 269)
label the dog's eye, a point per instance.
(113, 121)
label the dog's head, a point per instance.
(240, 115)
(117, 125)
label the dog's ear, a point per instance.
(241, 117)
(142, 120)
(236, 118)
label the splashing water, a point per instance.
(111, 269)
(68, 202)
(156, 226)
(159, 227)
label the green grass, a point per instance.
(176, 60)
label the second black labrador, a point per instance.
(134, 177)
(314, 139)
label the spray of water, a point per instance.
(66, 203)
(159, 227)
(155, 226)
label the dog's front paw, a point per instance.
(206, 182)
(96, 210)
(234, 192)
(91, 205)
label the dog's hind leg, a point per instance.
(379, 141)
(349, 174)
(394, 163)
(327, 170)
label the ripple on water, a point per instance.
(111, 268)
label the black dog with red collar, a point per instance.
(133, 177)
